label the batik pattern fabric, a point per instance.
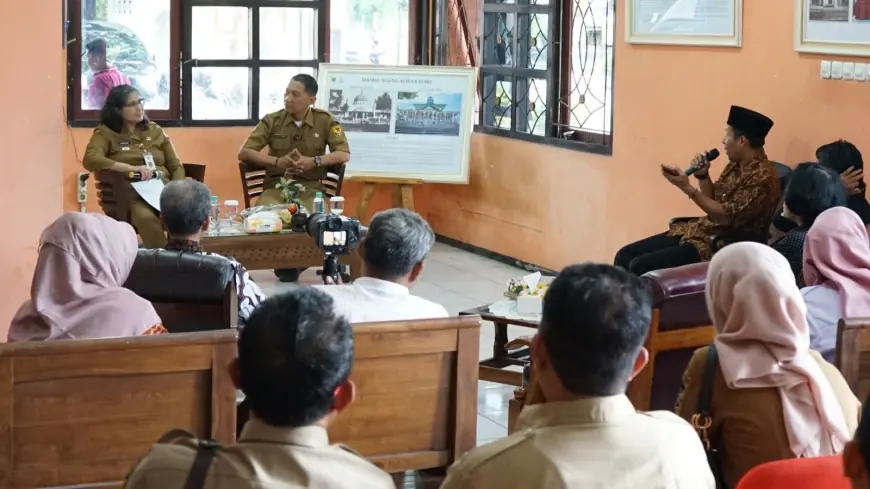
(749, 193)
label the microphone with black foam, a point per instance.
(708, 157)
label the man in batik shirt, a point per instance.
(743, 199)
(185, 206)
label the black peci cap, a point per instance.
(749, 122)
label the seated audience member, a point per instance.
(844, 158)
(743, 200)
(295, 355)
(812, 190)
(837, 274)
(851, 470)
(78, 285)
(584, 432)
(185, 206)
(771, 397)
(393, 252)
(856, 456)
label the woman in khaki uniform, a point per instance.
(772, 397)
(127, 141)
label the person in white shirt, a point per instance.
(837, 274)
(393, 250)
(583, 432)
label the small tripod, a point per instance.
(331, 268)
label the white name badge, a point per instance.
(149, 160)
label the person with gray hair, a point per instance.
(185, 206)
(393, 250)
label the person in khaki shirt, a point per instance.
(772, 397)
(297, 137)
(584, 432)
(126, 141)
(295, 356)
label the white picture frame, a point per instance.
(841, 34)
(647, 25)
(425, 134)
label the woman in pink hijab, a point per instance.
(772, 397)
(837, 274)
(78, 285)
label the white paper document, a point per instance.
(149, 190)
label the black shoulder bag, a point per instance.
(205, 453)
(702, 420)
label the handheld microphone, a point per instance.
(136, 176)
(708, 157)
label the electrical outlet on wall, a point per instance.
(848, 69)
(825, 70)
(837, 70)
(860, 72)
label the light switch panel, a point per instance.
(848, 70)
(837, 70)
(860, 72)
(825, 71)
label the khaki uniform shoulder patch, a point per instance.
(337, 130)
(473, 459)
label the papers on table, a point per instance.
(149, 190)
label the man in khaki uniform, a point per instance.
(584, 432)
(295, 355)
(297, 137)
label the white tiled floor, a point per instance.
(458, 280)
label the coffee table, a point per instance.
(268, 251)
(493, 369)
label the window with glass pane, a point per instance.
(242, 57)
(585, 108)
(530, 91)
(123, 41)
(369, 32)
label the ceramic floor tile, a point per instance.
(493, 398)
(489, 430)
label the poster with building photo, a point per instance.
(411, 122)
(833, 27)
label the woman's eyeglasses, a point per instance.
(135, 103)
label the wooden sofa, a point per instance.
(83, 412)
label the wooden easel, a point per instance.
(403, 193)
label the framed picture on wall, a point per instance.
(684, 22)
(832, 27)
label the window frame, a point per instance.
(558, 76)
(254, 63)
(89, 117)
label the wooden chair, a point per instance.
(416, 405)
(852, 355)
(190, 291)
(417, 393)
(253, 176)
(85, 411)
(114, 192)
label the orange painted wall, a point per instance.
(553, 206)
(30, 133)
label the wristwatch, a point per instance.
(318, 160)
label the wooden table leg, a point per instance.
(501, 339)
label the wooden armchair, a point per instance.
(852, 356)
(84, 411)
(253, 176)
(114, 192)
